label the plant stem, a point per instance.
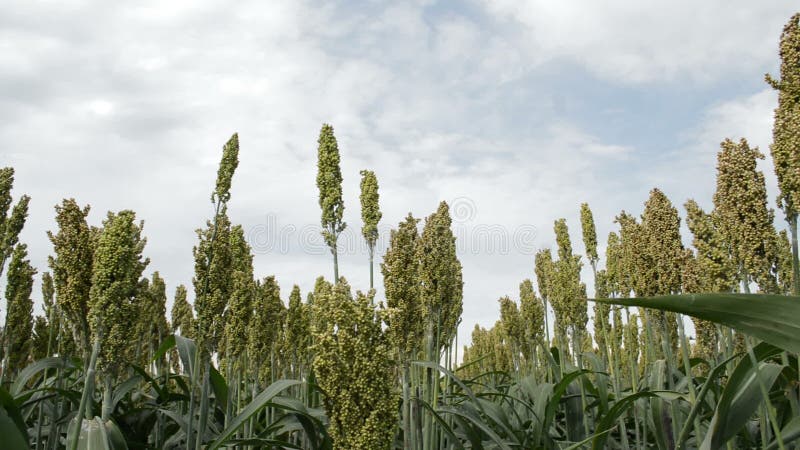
(335, 252)
(791, 217)
(371, 276)
(107, 388)
(406, 404)
(85, 408)
(203, 419)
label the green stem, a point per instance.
(688, 368)
(335, 252)
(371, 276)
(203, 419)
(765, 395)
(195, 375)
(792, 219)
(107, 388)
(614, 378)
(406, 404)
(85, 407)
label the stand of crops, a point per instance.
(239, 367)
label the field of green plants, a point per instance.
(245, 366)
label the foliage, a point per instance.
(330, 373)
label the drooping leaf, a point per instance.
(30, 371)
(11, 422)
(742, 396)
(771, 318)
(789, 433)
(219, 386)
(186, 351)
(251, 409)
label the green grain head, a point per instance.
(370, 209)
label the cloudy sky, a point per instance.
(513, 111)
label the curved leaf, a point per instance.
(13, 436)
(607, 422)
(115, 437)
(789, 433)
(479, 423)
(443, 424)
(771, 318)
(251, 409)
(219, 386)
(741, 396)
(11, 421)
(186, 351)
(123, 389)
(165, 346)
(30, 371)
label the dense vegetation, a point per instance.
(105, 368)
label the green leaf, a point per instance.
(251, 409)
(30, 371)
(115, 436)
(602, 380)
(312, 426)
(186, 351)
(607, 422)
(711, 380)
(166, 345)
(220, 387)
(771, 318)
(11, 423)
(789, 433)
(580, 444)
(443, 425)
(476, 420)
(13, 437)
(264, 443)
(741, 396)
(123, 389)
(558, 392)
(658, 408)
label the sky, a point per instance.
(514, 112)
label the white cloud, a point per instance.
(100, 107)
(629, 41)
(418, 99)
(689, 171)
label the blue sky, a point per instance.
(515, 112)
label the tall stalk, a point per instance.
(85, 406)
(791, 217)
(198, 351)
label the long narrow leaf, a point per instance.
(11, 421)
(254, 407)
(186, 352)
(30, 371)
(219, 386)
(771, 318)
(741, 396)
(789, 433)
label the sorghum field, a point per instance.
(248, 366)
